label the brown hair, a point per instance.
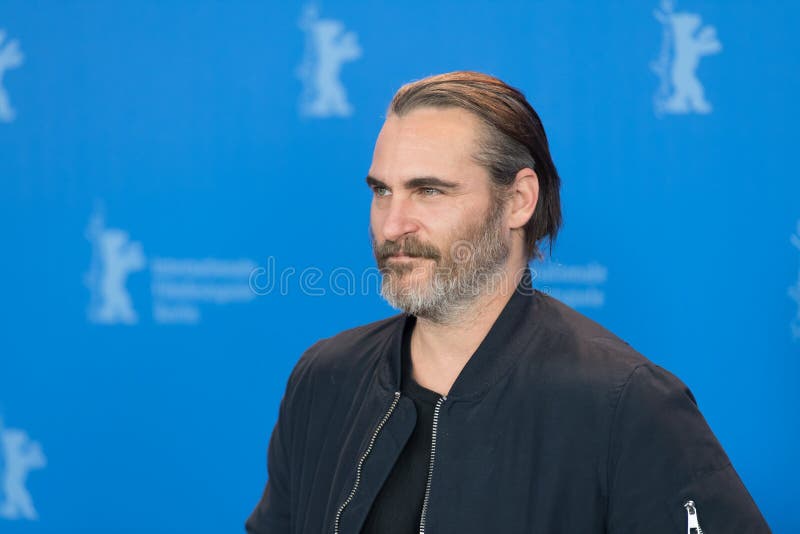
(513, 139)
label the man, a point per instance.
(486, 405)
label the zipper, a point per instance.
(430, 466)
(361, 462)
(693, 524)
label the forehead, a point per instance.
(427, 141)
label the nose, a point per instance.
(398, 219)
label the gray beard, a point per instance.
(472, 268)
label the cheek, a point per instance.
(442, 232)
(446, 221)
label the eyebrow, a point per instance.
(416, 183)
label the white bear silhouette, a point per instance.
(10, 57)
(21, 456)
(688, 45)
(114, 258)
(328, 47)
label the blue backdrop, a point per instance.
(183, 211)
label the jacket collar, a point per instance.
(499, 350)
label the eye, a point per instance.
(430, 191)
(379, 191)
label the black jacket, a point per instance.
(555, 425)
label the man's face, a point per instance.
(437, 230)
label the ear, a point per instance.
(525, 196)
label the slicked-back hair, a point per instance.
(512, 139)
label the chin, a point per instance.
(407, 281)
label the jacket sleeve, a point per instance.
(273, 513)
(663, 454)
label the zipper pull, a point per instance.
(691, 518)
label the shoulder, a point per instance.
(580, 347)
(361, 338)
(351, 350)
(641, 405)
(584, 360)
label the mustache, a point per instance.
(410, 247)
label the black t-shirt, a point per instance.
(398, 506)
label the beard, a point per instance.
(471, 266)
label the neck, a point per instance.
(440, 351)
